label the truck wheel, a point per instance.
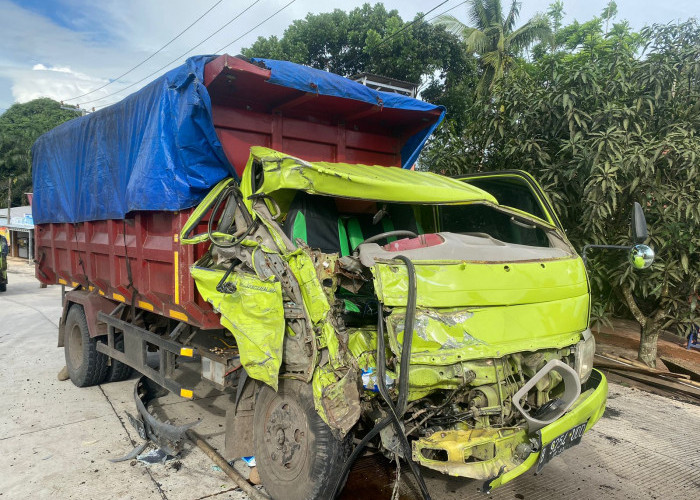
(118, 371)
(3, 287)
(298, 457)
(85, 365)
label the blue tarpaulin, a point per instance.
(316, 81)
(157, 149)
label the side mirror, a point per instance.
(641, 256)
(639, 224)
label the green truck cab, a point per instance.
(441, 320)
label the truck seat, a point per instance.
(315, 219)
(399, 217)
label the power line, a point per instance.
(180, 56)
(256, 26)
(446, 11)
(112, 80)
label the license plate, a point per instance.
(570, 438)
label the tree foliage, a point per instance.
(601, 127)
(373, 40)
(366, 39)
(494, 37)
(20, 126)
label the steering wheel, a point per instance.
(388, 234)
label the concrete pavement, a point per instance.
(56, 439)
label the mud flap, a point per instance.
(164, 435)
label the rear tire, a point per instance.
(298, 457)
(118, 371)
(85, 365)
(3, 287)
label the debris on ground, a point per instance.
(665, 382)
(156, 456)
(677, 371)
(254, 476)
(63, 374)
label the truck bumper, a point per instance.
(498, 456)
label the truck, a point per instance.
(258, 224)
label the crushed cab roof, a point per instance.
(368, 182)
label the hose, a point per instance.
(395, 412)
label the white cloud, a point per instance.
(56, 82)
(38, 57)
(41, 67)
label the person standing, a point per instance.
(4, 250)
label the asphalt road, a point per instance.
(56, 439)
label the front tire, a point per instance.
(85, 365)
(298, 457)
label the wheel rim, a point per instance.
(75, 347)
(286, 439)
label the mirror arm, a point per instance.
(603, 247)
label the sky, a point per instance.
(64, 48)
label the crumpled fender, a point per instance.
(254, 313)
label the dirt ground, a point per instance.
(56, 439)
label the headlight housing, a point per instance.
(583, 356)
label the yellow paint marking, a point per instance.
(91, 288)
(177, 278)
(75, 284)
(101, 292)
(176, 238)
(62, 281)
(186, 393)
(118, 297)
(186, 351)
(178, 315)
(145, 305)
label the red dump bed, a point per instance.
(247, 110)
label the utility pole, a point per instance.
(9, 203)
(9, 198)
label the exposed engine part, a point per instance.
(555, 408)
(397, 411)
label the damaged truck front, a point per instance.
(410, 310)
(254, 226)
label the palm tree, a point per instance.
(494, 37)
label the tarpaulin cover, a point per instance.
(321, 82)
(157, 149)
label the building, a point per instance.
(19, 231)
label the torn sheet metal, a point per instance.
(253, 311)
(476, 453)
(344, 180)
(337, 397)
(447, 336)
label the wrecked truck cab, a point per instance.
(402, 300)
